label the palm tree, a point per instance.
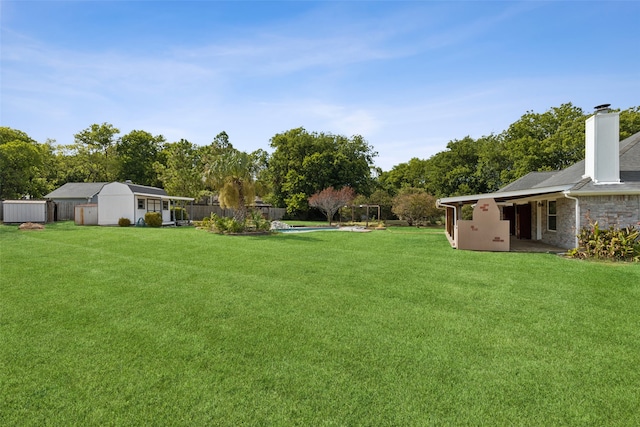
(232, 173)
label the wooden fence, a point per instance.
(65, 211)
(198, 212)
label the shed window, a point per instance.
(165, 205)
(153, 205)
(551, 215)
(141, 204)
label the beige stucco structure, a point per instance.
(486, 231)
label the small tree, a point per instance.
(415, 205)
(330, 200)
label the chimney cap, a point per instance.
(603, 108)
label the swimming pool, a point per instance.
(305, 229)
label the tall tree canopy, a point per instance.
(551, 140)
(180, 170)
(25, 165)
(414, 173)
(304, 163)
(94, 149)
(137, 151)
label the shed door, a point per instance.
(523, 222)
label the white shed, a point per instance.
(125, 200)
(19, 211)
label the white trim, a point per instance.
(539, 220)
(555, 215)
(533, 192)
(162, 196)
(577, 213)
(612, 192)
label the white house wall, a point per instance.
(140, 213)
(115, 201)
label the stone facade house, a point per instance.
(551, 207)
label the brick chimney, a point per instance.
(602, 150)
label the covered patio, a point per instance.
(534, 246)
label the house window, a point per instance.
(551, 215)
(165, 205)
(141, 204)
(153, 205)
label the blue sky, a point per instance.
(407, 76)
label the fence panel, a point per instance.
(198, 212)
(66, 210)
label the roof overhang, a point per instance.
(505, 196)
(607, 192)
(163, 196)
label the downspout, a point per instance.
(566, 194)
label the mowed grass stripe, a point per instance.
(179, 326)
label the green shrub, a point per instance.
(258, 222)
(614, 244)
(124, 222)
(153, 219)
(224, 225)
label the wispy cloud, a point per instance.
(408, 76)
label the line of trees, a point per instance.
(301, 164)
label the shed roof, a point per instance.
(76, 190)
(147, 190)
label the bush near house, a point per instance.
(153, 219)
(613, 243)
(124, 222)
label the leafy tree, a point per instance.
(23, 165)
(453, 171)
(137, 152)
(552, 140)
(629, 122)
(492, 162)
(414, 173)
(94, 149)
(330, 200)
(304, 163)
(415, 206)
(180, 169)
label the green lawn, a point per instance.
(176, 326)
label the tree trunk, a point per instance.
(240, 213)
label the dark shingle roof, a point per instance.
(574, 174)
(530, 180)
(144, 189)
(76, 190)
